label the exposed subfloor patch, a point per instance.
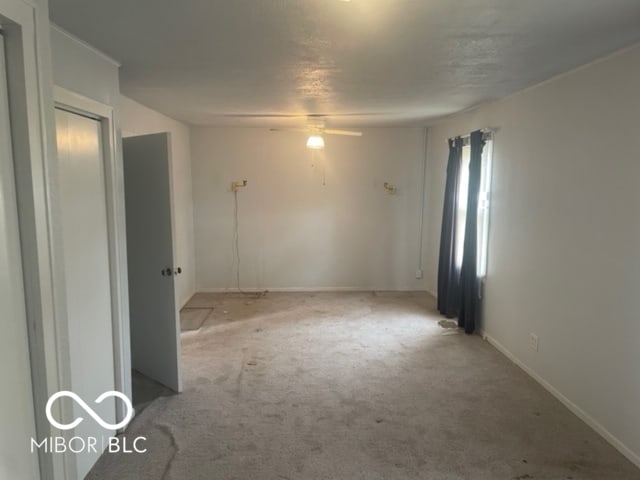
(353, 386)
(193, 318)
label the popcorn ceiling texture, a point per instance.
(373, 62)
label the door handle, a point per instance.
(177, 271)
(166, 272)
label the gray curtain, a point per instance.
(469, 295)
(448, 271)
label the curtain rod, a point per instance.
(487, 134)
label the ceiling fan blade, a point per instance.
(305, 130)
(296, 115)
(260, 115)
(345, 114)
(349, 133)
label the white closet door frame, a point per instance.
(18, 410)
(116, 231)
(26, 30)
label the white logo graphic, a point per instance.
(90, 411)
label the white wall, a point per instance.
(140, 120)
(295, 232)
(82, 69)
(565, 230)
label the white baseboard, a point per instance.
(305, 289)
(575, 409)
(184, 302)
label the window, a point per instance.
(463, 195)
(483, 207)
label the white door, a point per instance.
(155, 325)
(86, 261)
(17, 420)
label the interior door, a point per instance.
(155, 325)
(87, 271)
(16, 403)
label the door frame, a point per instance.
(116, 232)
(26, 30)
(19, 360)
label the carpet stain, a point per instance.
(448, 324)
(174, 445)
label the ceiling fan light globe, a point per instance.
(315, 142)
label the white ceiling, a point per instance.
(363, 62)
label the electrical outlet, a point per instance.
(533, 342)
(418, 274)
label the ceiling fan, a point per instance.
(315, 130)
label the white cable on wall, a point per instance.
(236, 240)
(425, 141)
(236, 247)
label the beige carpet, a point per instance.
(353, 386)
